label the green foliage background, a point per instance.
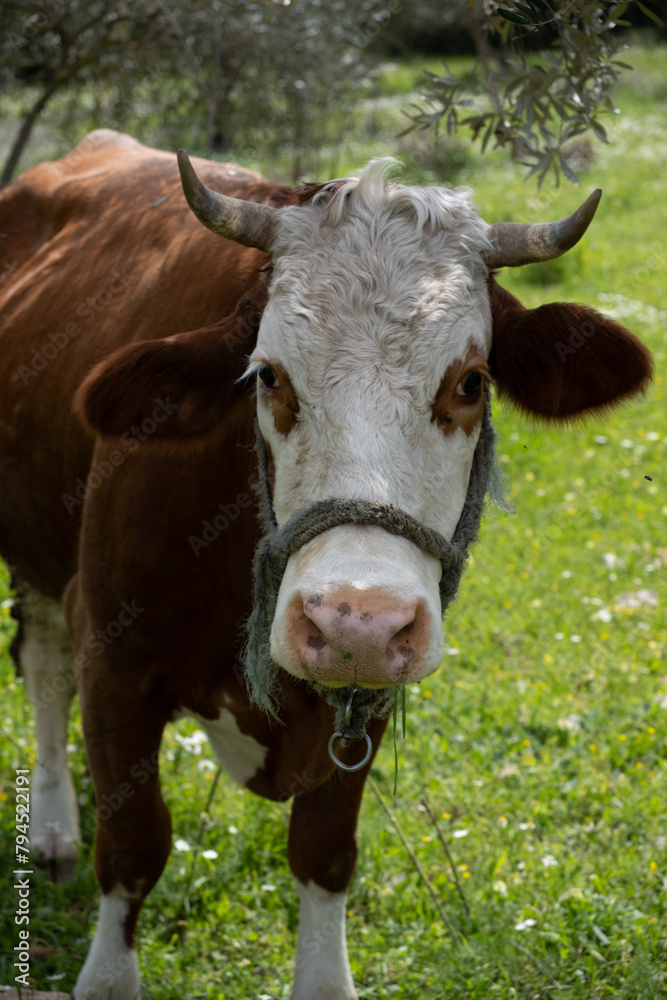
(541, 742)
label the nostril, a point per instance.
(402, 643)
(316, 640)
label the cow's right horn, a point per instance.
(244, 222)
(516, 243)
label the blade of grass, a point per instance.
(445, 847)
(456, 936)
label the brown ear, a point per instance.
(563, 359)
(174, 389)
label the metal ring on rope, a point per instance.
(339, 735)
(350, 767)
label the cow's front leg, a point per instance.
(123, 729)
(45, 656)
(322, 855)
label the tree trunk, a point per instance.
(21, 140)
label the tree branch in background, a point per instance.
(534, 103)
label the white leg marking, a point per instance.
(47, 664)
(322, 970)
(111, 970)
(239, 753)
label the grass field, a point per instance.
(541, 743)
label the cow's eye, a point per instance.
(470, 385)
(268, 377)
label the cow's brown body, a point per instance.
(71, 234)
(99, 251)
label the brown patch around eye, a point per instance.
(451, 411)
(283, 400)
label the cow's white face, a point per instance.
(370, 365)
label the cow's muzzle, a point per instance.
(279, 543)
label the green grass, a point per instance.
(544, 734)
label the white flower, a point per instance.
(268, 888)
(232, 829)
(575, 638)
(636, 600)
(559, 635)
(210, 855)
(193, 742)
(549, 861)
(566, 574)
(182, 845)
(525, 924)
(609, 559)
(626, 443)
(206, 765)
(571, 723)
(527, 826)
(460, 833)
(452, 651)
(603, 615)
(600, 439)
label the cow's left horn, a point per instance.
(244, 222)
(516, 243)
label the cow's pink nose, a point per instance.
(367, 637)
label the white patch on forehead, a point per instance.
(377, 290)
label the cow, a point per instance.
(327, 344)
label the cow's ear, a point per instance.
(561, 359)
(173, 389)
